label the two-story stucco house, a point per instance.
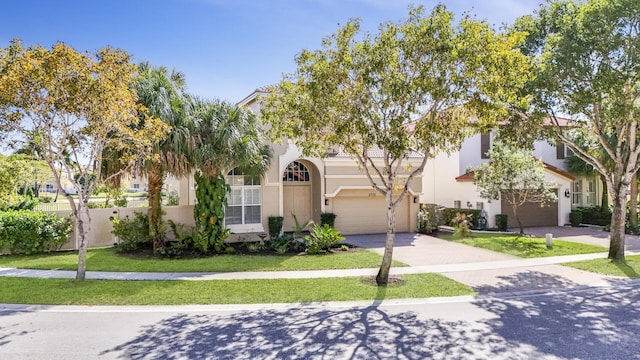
(307, 187)
(447, 183)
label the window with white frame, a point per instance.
(244, 199)
(576, 197)
(457, 204)
(591, 192)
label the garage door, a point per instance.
(368, 214)
(531, 214)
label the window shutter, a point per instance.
(485, 145)
(559, 150)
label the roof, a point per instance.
(372, 153)
(468, 177)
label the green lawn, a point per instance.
(107, 259)
(103, 292)
(523, 246)
(631, 268)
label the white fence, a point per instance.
(101, 226)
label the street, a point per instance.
(583, 323)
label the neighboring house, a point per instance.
(447, 183)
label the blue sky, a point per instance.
(226, 48)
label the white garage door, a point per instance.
(368, 215)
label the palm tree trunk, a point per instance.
(155, 178)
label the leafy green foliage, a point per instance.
(427, 222)
(502, 221)
(575, 218)
(321, 239)
(275, 226)
(328, 219)
(412, 87)
(462, 224)
(514, 176)
(209, 213)
(299, 227)
(449, 214)
(585, 56)
(27, 232)
(133, 234)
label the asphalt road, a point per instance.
(589, 323)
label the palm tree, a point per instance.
(163, 94)
(226, 137)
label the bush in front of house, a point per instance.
(133, 233)
(28, 232)
(502, 222)
(575, 218)
(327, 218)
(321, 239)
(449, 214)
(595, 215)
(275, 226)
(427, 221)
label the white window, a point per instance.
(244, 199)
(296, 172)
(479, 206)
(136, 186)
(591, 192)
(457, 204)
(576, 197)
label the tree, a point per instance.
(587, 57)
(225, 137)
(365, 92)
(163, 94)
(13, 175)
(515, 176)
(71, 106)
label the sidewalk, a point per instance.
(487, 272)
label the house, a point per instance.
(307, 187)
(446, 182)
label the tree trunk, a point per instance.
(616, 234)
(604, 201)
(382, 279)
(155, 179)
(83, 225)
(633, 204)
(515, 213)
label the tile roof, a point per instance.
(468, 177)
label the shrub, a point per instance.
(173, 199)
(120, 200)
(449, 214)
(45, 199)
(27, 232)
(502, 222)
(595, 215)
(284, 244)
(133, 233)
(462, 224)
(427, 222)
(182, 241)
(275, 226)
(575, 218)
(328, 219)
(321, 239)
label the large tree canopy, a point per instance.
(70, 106)
(587, 58)
(413, 87)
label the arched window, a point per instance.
(296, 172)
(244, 199)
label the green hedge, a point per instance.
(449, 214)
(595, 215)
(27, 232)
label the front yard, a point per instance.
(520, 246)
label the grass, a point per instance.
(523, 246)
(107, 292)
(630, 268)
(107, 259)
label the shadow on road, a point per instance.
(592, 323)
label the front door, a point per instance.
(297, 195)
